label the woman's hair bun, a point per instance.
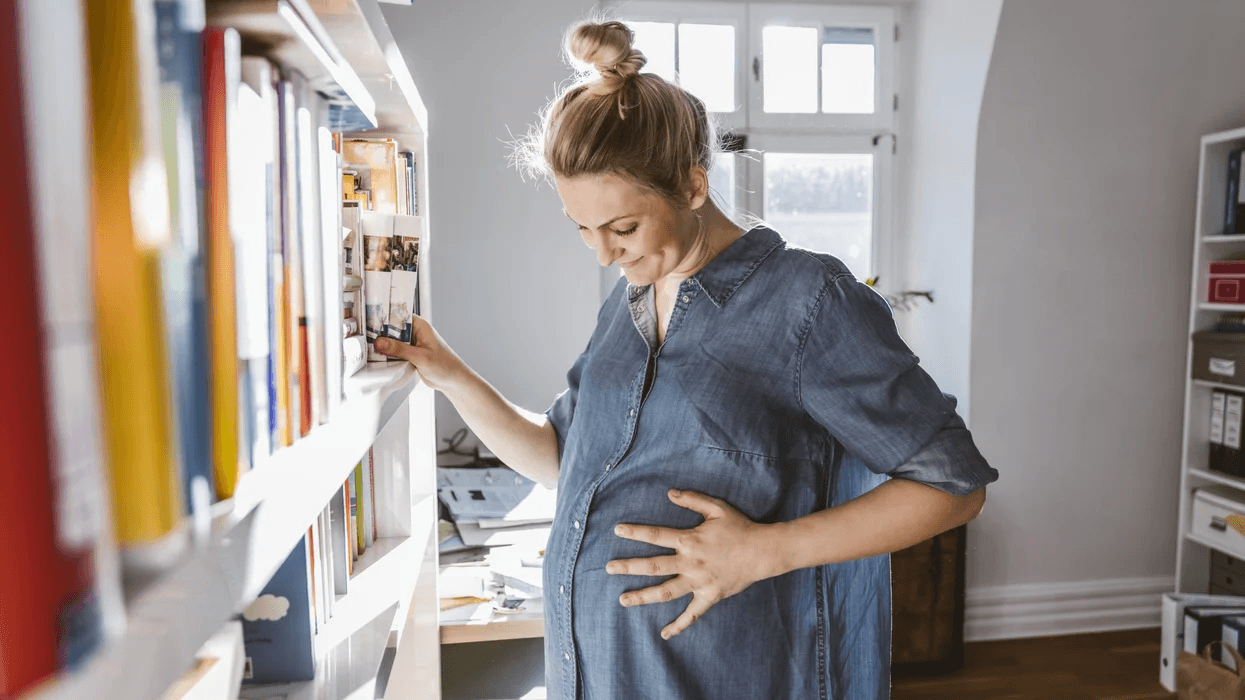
(607, 46)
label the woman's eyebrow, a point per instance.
(607, 223)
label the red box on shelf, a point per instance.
(1227, 282)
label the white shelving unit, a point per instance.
(383, 640)
(1192, 552)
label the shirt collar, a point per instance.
(725, 273)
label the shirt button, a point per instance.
(631, 412)
(566, 655)
(562, 590)
(686, 298)
(640, 308)
(576, 524)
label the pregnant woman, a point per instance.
(742, 443)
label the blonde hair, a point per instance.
(619, 121)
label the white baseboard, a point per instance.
(1045, 609)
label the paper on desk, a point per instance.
(465, 581)
(498, 496)
(531, 535)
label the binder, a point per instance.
(1232, 460)
(1218, 401)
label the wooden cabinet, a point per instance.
(927, 605)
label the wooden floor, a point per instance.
(1103, 666)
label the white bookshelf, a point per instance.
(383, 640)
(1192, 552)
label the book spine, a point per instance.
(248, 176)
(361, 504)
(315, 393)
(183, 276)
(371, 480)
(1238, 206)
(131, 233)
(54, 599)
(330, 272)
(292, 246)
(222, 56)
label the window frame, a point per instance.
(874, 133)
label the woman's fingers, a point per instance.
(707, 506)
(660, 536)
(395, 348)
(674, 588)
(651, 566)
(699, 605)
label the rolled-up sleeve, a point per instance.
(859, 380)
(562, 412)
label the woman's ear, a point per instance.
(699, 187)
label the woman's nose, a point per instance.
(606, 253)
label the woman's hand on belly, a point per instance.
(713, 561)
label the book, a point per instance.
(331, 269)
(370, 476)
(363, 503)
(131, 232)
(314, 390)
(338, 541)
(278, 629)
(259, 74)
(60, 593)
(179, 24)
(1218, 401)
(222, 59)
(291, 245)
(354, 354)
(249, 177)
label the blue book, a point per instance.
(183, 275)
(278, 628)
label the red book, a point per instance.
(49, 613)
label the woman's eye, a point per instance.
(628, 232)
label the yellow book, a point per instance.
(131, 230)
(222, 73)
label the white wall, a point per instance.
(945, 50)
(1086, 178)
(516, 289)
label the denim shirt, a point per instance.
(783, 388)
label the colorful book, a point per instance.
(361, 505)
(179, 24)
(61, 590)
(249, 178)
(131, 233)
(291, 235)
(222, 58)
(278, 628)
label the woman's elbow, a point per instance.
(973, 504)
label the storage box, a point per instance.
(1219, 519)
(1227, 282)
(1219, 357)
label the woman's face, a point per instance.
(624, 224)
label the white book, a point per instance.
(313, 241)
(331, 262)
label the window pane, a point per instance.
(707, 64)
(823, 202)
(789, 68)
(656, 41)
(722, 182)
(847, 70)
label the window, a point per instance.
(810, 88)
